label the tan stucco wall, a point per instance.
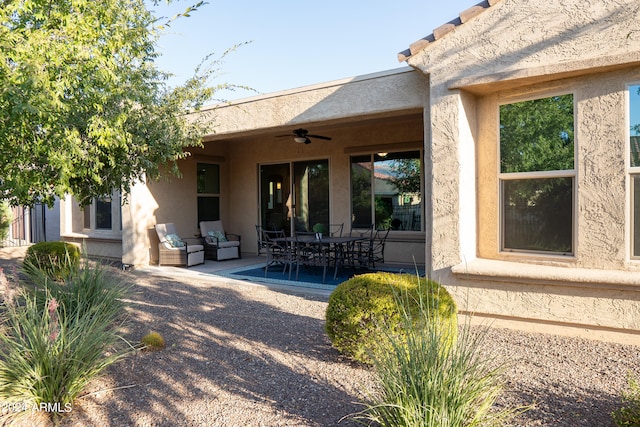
(338, 102)
(519, 49)
(384, 109)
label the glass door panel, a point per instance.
(275, 201)
(294, 204)
(311, 190)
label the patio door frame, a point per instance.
(279, 193)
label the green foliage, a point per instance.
(426, 379)
(56, 259)
(6, 217)
(153, 341)
(58, 337)
(360, 305)
(537, 135)
(629, 414)
(84, 108)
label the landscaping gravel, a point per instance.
(240, 354)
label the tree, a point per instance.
(83, 108)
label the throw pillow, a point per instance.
(175, 241)
(218, 235)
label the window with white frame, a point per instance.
(633, 92)
(386, 190)
(537, 175)
(104, 214)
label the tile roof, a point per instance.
(440, 32)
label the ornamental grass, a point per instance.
(57, 336)
(428, 378)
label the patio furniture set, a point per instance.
(214, 244)
(362, 248)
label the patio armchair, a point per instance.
(218, 244)
(174, 250)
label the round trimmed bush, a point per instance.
(153, 341)
(358, 307)
(56, 259)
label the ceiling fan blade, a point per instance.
(319, 137)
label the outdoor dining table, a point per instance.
(339, 244)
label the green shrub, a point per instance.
(629, 414)
(360, 305)
(56, 259)
(425, 380)
(6, 217)
(58, 336)
(153, 341)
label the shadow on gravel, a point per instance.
(225, 350)
(557, 406)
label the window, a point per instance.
(634, 165)
(537, 175)
(104, 214)
(386, 190)
(208, 182)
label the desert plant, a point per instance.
(85, 289)
(426, 379)
(629, 414)
(360, 305)
(57, 337)
(6, 217)
(153, 341)
(56, 259)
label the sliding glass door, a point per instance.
(294, 196)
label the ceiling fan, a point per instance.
(302, 136)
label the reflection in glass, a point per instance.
(386, 191)
(208, 178)
(311, 186)
(537, 135)
(634, 119)
(103, 213)
(537, 214)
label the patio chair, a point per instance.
(174, 250)
(358, 253)
(218, 244)
(278, 249)
(376, 250)
(262, 245)
(335, 230)
(311, 253)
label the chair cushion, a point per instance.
(229, 244)
(194, 248)
(175, 241)
(217, 235)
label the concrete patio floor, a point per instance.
(219, 270)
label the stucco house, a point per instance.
(520, 115)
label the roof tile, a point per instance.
(444, 29)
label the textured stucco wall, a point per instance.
(338, 101)
(516, 50)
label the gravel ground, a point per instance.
(245, 355)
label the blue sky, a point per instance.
(297, 43)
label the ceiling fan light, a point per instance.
(300, 139)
